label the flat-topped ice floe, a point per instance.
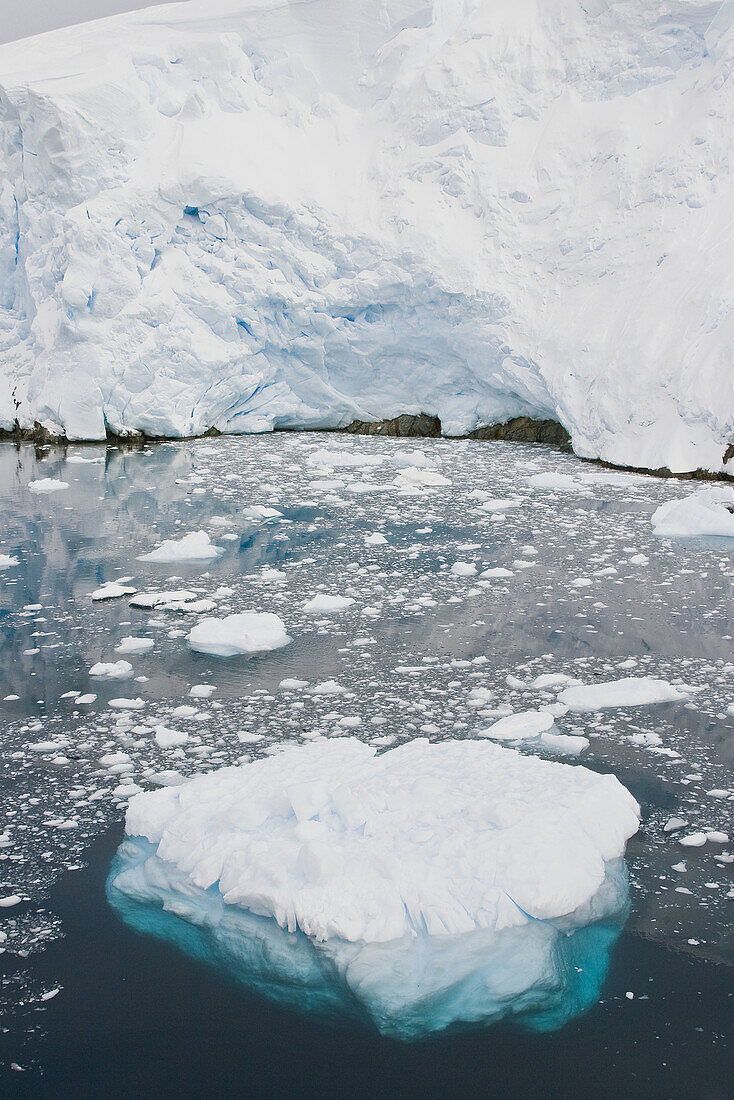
(325, 603)
(433, 885)
(707, 512)
(248, 632)
(196, 546)
(536, 729)
(440, 839)
(46, 485)
(629, 692)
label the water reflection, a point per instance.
(539, 975)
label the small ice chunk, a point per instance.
(520, 727)
(202, 691)
(322, 603)
(47, 485)
(112, 670)
(463, 569)
(328, 687)
(112, 590)
(692, 840)
(414, 477)
(196, 546)
(135, 645)
(168, 738)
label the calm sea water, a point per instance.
(592, 593)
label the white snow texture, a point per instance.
(245, 214)
(440, 839)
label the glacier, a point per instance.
(245, 215)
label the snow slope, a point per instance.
(248, 214)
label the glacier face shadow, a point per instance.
(539, 975)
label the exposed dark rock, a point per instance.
(522, 429)
(420, 425)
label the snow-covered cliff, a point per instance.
(250, 214)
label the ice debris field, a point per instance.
(373, 606)
(247, 215)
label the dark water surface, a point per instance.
(139, 1019)
(592, 593)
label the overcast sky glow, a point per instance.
(20, 18)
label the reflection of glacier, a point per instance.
(542, 974)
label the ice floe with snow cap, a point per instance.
(434, 885)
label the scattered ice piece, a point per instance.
(716, 837)
(328, 687)
(692, 840)
(628, 692)
(322, 603)
(553, 681)
(556, 482)
(85, 700)
(260, 511)
(414, 477)
(10, 900)
(292, 685)
(202, 691)
(135, 645)
(375, 539)
(7, 560)
(479, 697)
(268, 574)
(47, 485)
(148, 600)
(519, 727)
(500, 504)
(113, 670)
(463, 569)
(112, 590)
(496, 572)
(248, 632)
(168, 738)
(196, 546)
(126, 704)
(673, 824)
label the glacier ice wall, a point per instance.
(248, 215)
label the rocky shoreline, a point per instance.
(520, 429)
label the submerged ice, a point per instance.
(541, 973)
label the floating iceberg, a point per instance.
(707, 512)
(447, 243)
(433, 885)
(249, 632)
(631, 691)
